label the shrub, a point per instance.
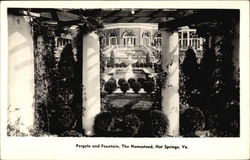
(71, 133)
(229, 121)
(159, 123)
(108, 65)
(63, 119)
(157, 67)
(124, 87)
(137, 64)
(132, 124)
(148, 59)
(191, 120)
(150, 65)
(123, 64)
(141, 81)
(136, 86)
(117, 65)
(121, 81)
(110, 86)
(133, 65)
(131, 80)
(112, 57)
(103, 124)
(112, 79)
(149, 86)
(141, 64)
(151, 79)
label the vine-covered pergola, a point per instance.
(214, 25)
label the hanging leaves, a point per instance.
(90, 23)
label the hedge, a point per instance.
(191, 120)
(124, 87)
(110, 86)
(136, 86)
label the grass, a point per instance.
(130, 100)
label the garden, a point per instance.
(131, 92)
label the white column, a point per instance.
(20, 72)
(91, 81)
(188, 38)
(181, 39)
(170, 94)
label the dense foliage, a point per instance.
(121, 122)
(149, 86)
(58, 86)
(141, 64)
(132, 124)
(131, 80)
(121, 81)
(159, 123)
(125, 87)
(217, 93)
(110, 86)
(141, 81)
(161, 79)
(191, 120)
(136, 86)
(64, 105)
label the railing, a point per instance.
(132, 47)
(153, 49)
(146, 49)
(108, 49)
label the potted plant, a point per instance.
(149, 86)
(124, 87)
(136, 86)
(131, 80)
(121, 81)
(110, 86)
(141, 81)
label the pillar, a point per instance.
(20, 73)
(91, 81)
(170, 94)
(188, 44)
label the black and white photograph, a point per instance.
(124, 72)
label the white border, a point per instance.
(64, 148)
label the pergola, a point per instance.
(168, 19)
(165, 17)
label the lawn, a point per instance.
(130, 100)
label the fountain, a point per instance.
(129, 71)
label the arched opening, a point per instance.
(157, 39)
(112, 38)
(129, 38)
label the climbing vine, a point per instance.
(58, 84)
(90, 24)
(160, 80)
(44, 70)
(217, 94)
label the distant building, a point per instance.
(140, 39)
(189, 38)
